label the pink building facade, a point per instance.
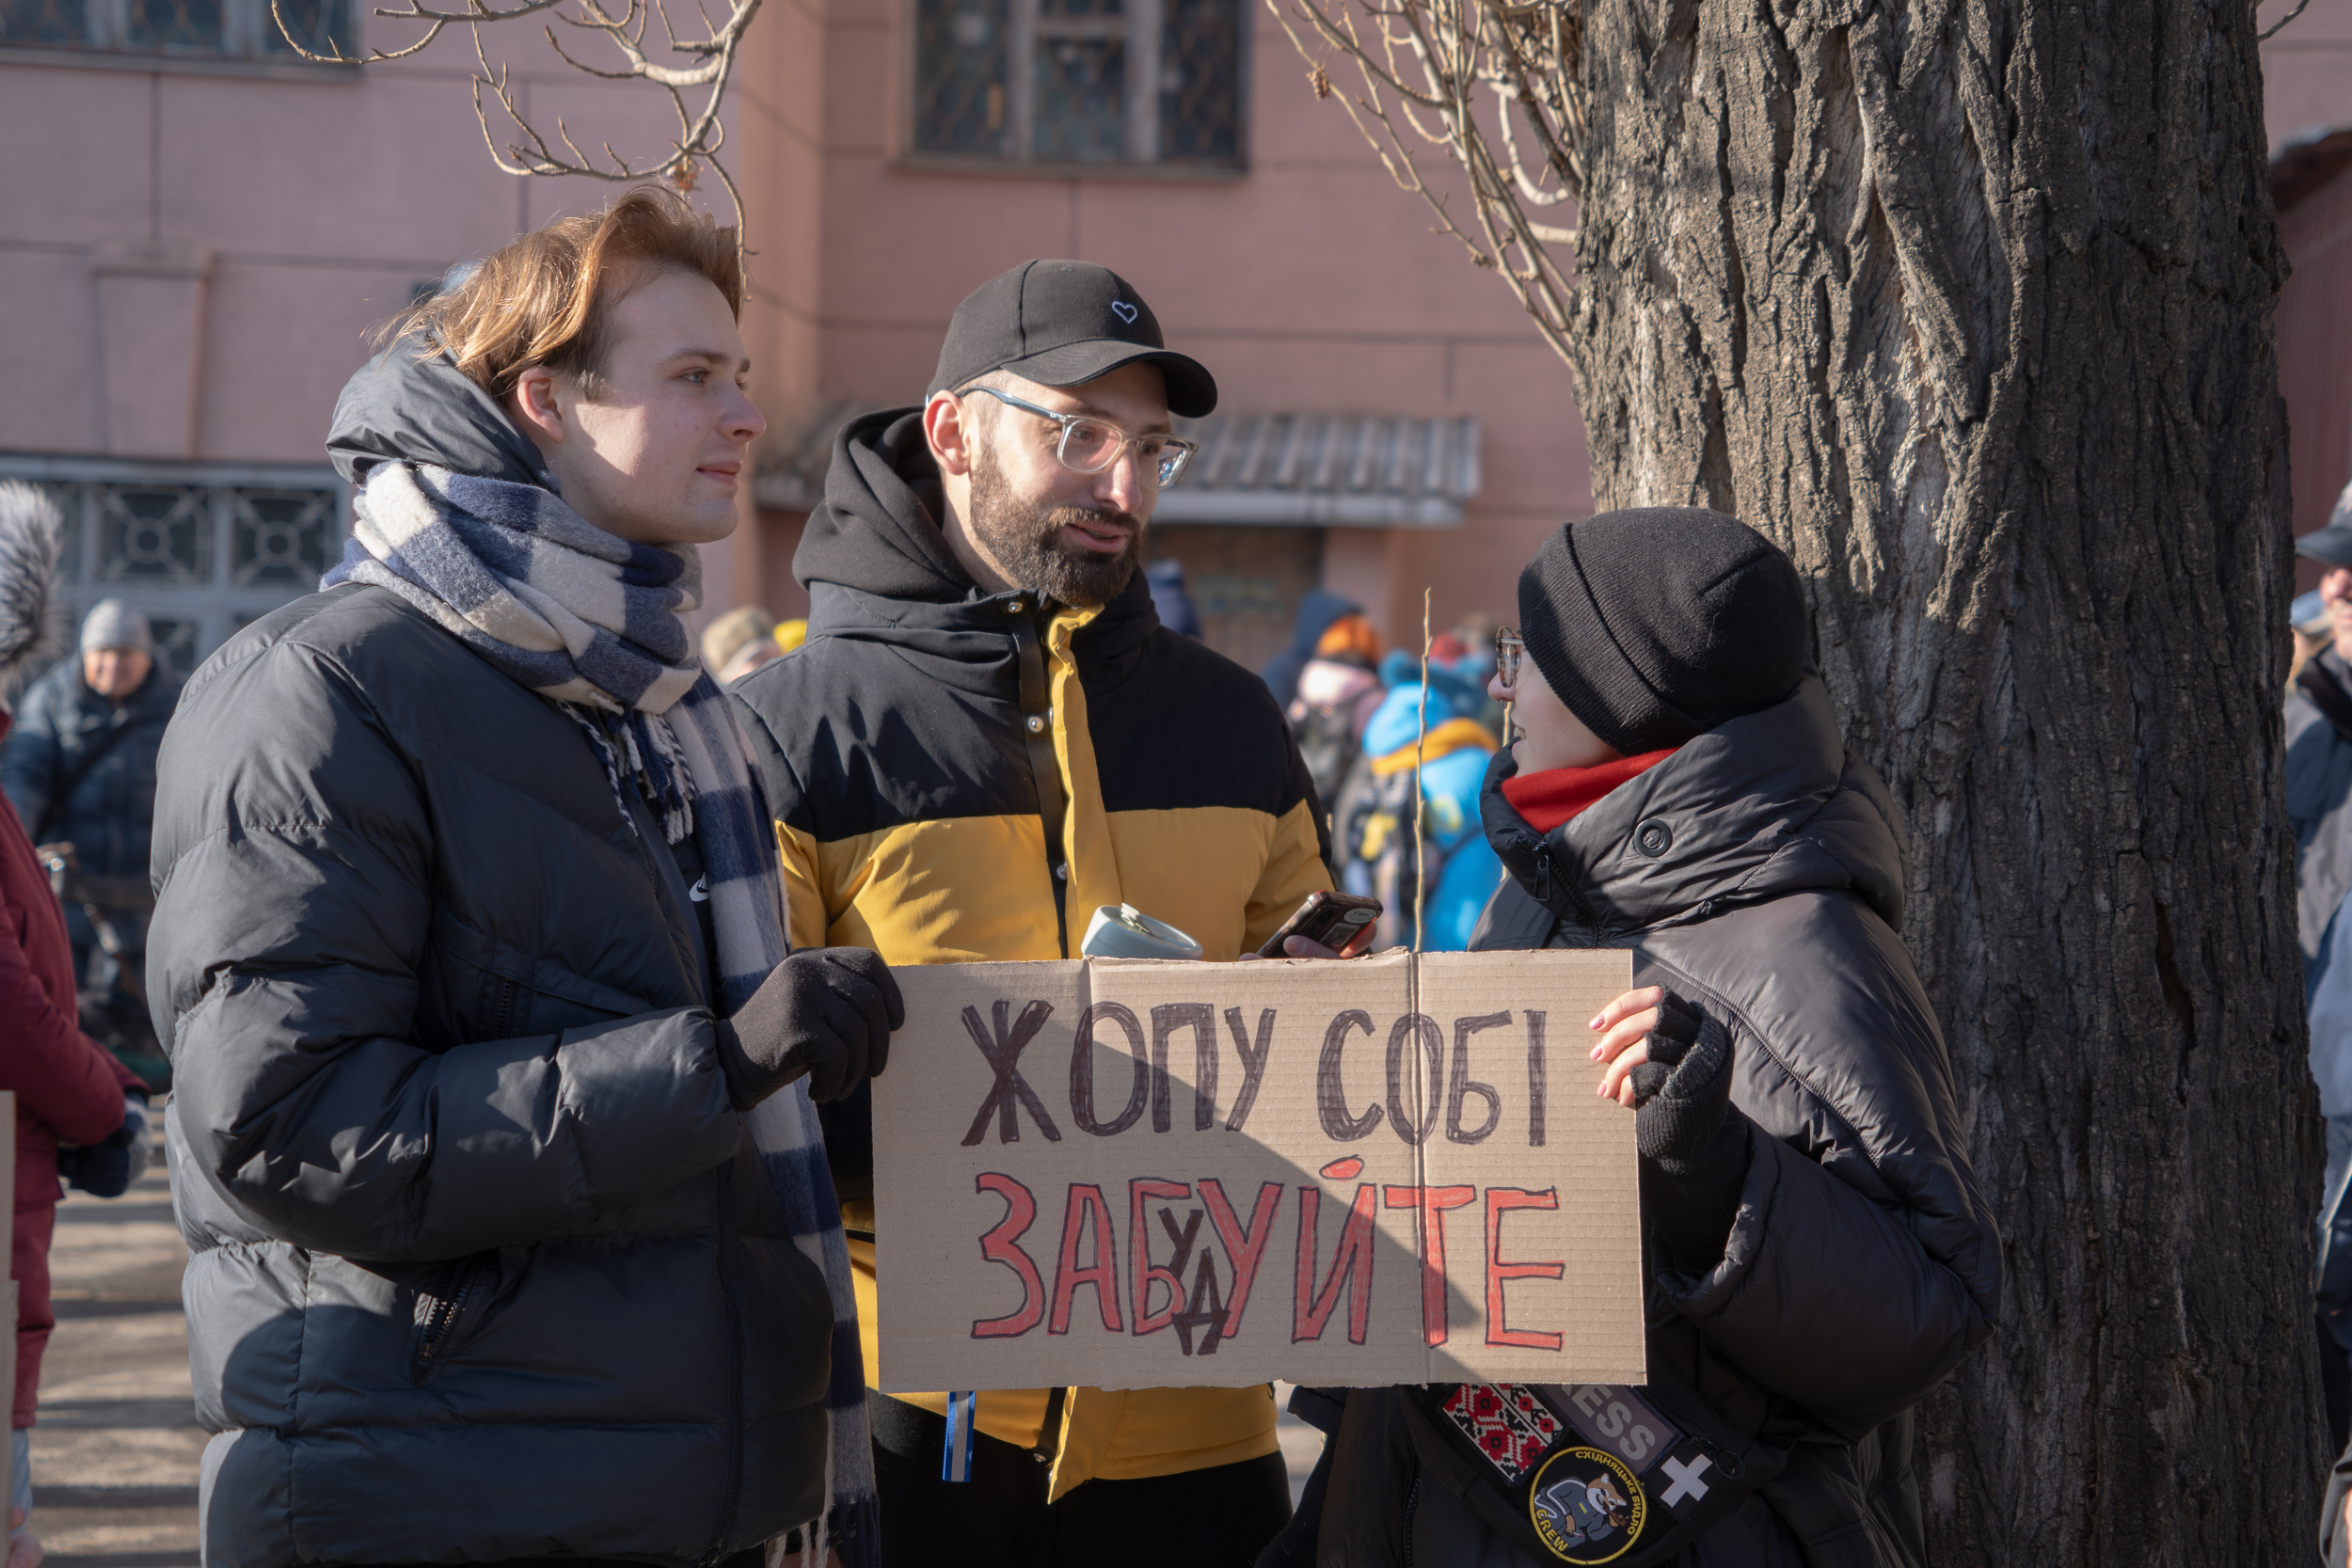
(200, 230)
(197, 238)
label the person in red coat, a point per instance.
(69, 1090)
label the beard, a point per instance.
(1026, 540)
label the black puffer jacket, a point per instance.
(483, 1265)
(1863, 1264)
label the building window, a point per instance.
(193, 29)
(203, 550)
(1076, 81)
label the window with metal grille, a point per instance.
(203, 550)
(198, 30)
(1078, 81)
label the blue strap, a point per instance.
(955, 1462)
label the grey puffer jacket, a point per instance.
(1758, 874)
(483, 1265)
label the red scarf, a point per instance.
(1553, 796)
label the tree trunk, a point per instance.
(1969, 306)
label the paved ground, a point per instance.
(116, 1452)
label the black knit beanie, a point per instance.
(1657, 624)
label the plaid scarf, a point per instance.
(598, 626)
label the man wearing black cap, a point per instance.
(987, 736)
(1818, 1254)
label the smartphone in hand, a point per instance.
(1333, 919)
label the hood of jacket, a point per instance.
(878, 569)
(1766, 804)
(402, 408)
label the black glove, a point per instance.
(1693, 1145)
(106, 1169)
(824, 1011)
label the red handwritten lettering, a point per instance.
(1245, 1247)
(1351, 1266)
(1003, 1246)
(1432, 1203)
(1500, 1201)
(1103, 1273)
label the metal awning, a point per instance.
(1329, 470)
(1323, 470)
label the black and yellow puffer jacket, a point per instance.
(960, 777)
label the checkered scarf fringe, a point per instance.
(596, 625)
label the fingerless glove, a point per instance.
(1693, 1145)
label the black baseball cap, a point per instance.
(1062, 324)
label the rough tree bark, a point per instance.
(1969, 306)
(1968, 303)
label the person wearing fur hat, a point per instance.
(1817, 1251)
(68, 1090)
(80, 769)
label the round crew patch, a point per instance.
(1586, 1505)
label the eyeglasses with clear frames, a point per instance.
(1509, 649)
(1088, 445)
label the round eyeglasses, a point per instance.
(1089, 446)
(1509, 650)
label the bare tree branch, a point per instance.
(1497, 89)
(705, 70)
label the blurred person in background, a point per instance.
(739, 642)
(2314, 628)
(1335, 694)
(1395, 853)
(790, 635)
(1171, 600)
(2319, 791)
(69, 1091)
(79, 767)
(1327, 625)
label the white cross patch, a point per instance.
(1687, 1482)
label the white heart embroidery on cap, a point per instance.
(1123, 310)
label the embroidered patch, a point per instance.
(1586, 1506)
(1507, 1422)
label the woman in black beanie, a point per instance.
(1818, 1254)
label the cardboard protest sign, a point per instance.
(1129, 1174)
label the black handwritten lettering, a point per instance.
(1431, 1039)
(1535, 1078)
(1004, 1056)
(1465, 1085)
(1253, 1061)
(1202, 1019)
(1141, 1272)
(1082, 1070)
(1204, 1311)
(1331, 1097)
